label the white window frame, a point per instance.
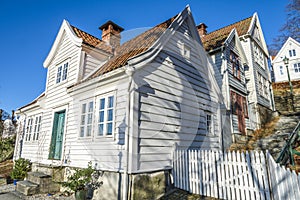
(62, 72)
(37, 127)
(281, 71)
(105, 121)
(28, 129)
(209, 120)
(186, 51)
(297, 67)
(88, 116)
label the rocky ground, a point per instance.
(7, 192)
(276, 141)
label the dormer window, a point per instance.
(62, 72)
(292, 52)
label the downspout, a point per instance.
(129, 71)
(19, 140)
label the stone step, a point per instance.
(38, 178)
(44, 181)
(27, 188)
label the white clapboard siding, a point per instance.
(176, 88)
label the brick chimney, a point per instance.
(202, 29)
(111, 33)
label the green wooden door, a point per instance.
(57, 135)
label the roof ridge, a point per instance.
(230, 25)
(86, 32)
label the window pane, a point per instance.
(90, 118)
(109, 129)
(110, 115)
(110, 102)
(294, 52)
(100, 129)
(89, 130)
(81, 131)
(82, 119)
(102, 103)
(101, 116)
(91, 106)
(83, 108)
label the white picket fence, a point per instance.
(233, 175)
(284, 183)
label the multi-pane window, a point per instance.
(259, 56)
(238, 104)
(297, 67)
(86, 122)
(62, 72)
(262, 86)
(37, 127)
(234, 59)
(33, 128)
(209, 124)
(28, 129)
(281, 70)
(292, 52)
(106, 116)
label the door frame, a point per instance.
(57, 110)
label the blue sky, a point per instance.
(29, 27)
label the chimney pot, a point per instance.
(202, 29)
(111, 33)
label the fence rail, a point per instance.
(233, 175)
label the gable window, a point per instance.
(209, 124)
(234, 59)
(297, 67)
(281, 70)
(106, 116)
(62, 72)
(292, 52)
(86, 122)
(186, 51)
(259, 56)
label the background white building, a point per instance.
(291, 50)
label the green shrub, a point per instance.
(21, 167)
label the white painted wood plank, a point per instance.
(250, 175)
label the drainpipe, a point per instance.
(129, 71)
(20, 140)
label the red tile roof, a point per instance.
(133, 47)
(217, 38)
(92, 40)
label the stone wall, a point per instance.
(285, 102)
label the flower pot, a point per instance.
(15, 181)
(80, 195)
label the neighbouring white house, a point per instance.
(290, 50)
(123, 107)
(226, 52)
(240, 54)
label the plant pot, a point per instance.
(80, 195)
(15, 181)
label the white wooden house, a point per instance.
(226, 51)
(123, 107)
(290, 50)
(240, 53)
